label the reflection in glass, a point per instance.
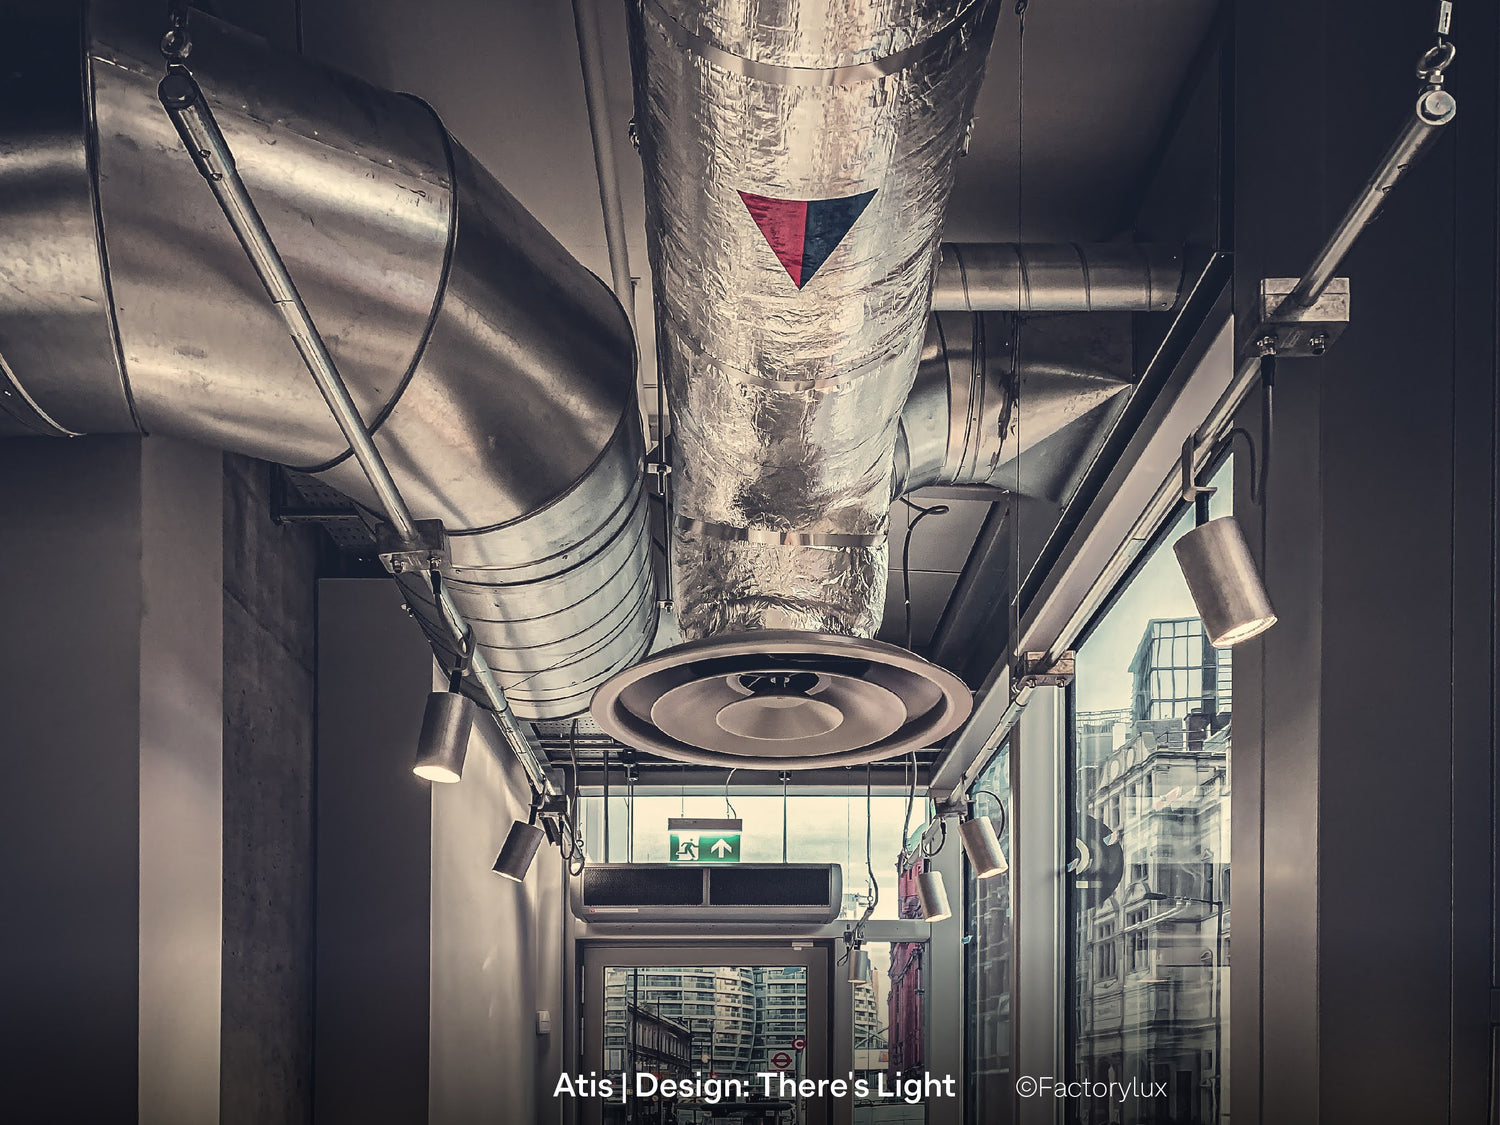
(704, 1022)
(1149, 876)
(988, 961)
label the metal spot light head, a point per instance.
(520, 848)
(444, 741)
(1225, 582)
(982, 847)
(859, 966)
(933, 896)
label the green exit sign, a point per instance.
(697, 840)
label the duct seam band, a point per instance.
(433, 316)
(41, 415)
(914, 55)
(771, 537)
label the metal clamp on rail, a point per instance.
(429, 550)
(1305, 315)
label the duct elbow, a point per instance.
(986, 392)
(495, 372)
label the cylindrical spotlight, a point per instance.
(982, 847)
(859, 966)
(933, 896)
(444, 740)
(1225, 584)
(520, 848)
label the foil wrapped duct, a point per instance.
(798, 160)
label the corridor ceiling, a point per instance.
(1085, 129)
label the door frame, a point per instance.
(825, 1015)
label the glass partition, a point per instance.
(988, 951)
(1148, 884)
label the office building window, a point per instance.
(1149, 810)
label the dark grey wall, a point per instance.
(431, 968)
(374, 852)
(69, 687)
(1365, 760)
(497, 951)
(270, 629)
(110, 669)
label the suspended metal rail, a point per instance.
(1298, 317)
(419, 542)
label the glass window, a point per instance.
(818, 829)
(1148, 886)
(988, 949)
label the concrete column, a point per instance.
(181, 781)
(111, 697)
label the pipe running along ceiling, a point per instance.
(798, 157)
(496, 372)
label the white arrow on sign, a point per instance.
(721, 849)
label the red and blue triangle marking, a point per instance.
(803, 232)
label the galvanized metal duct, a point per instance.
(1056, 277)
(986, 393)
(496, 372)
(798, 158)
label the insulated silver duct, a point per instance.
(798, 159)
(1056, 277)
(961, 424)
(496, 372)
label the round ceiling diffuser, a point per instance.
(782, 700)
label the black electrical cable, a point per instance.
(911, 797)
(576, 856)
(941, 827)
(999, 807)
(727, 806)
(869, 853)
(922, 513)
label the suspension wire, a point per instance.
(630, 812)
(606, 801)
(1015, 349)
(785, 778)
